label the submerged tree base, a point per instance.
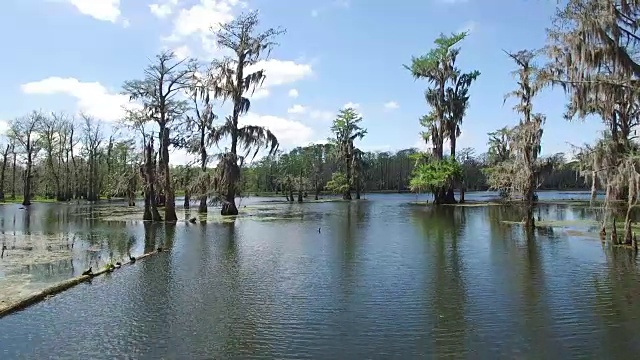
(229, 208)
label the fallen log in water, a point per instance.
(62, 286)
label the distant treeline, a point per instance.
(312, 168)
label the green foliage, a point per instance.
(448, 92)
(338, 183)
(425, 66)
(346, 126)
(434, 174)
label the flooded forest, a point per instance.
(248, 249)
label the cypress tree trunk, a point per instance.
(170, 200)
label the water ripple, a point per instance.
(381, 281)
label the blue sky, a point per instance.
(75, 54)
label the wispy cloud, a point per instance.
(391, 105)
(469, 27)
(336, 4)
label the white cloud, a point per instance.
(341, 4)
(259, 94)
(290, 133)
(180, 157)
(314, 114)
(462, 142)
(391, 105)
(281, 72)
(322, 115)
(164, 9)
(4, 127)
(293, 93)
(297, 109)
(93, 98)
(104, 10)
(319, 142)
(421, 145)
(182, 52)
(200, 18)
(197, 21)
(354, 106)
(375, 148)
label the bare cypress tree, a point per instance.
(24, 131)
(202, 128)
(233, 81)
(157, 91)
(527, 136)
(5, 157)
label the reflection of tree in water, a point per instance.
(441, 227)
(48, 271)
(561, 212)
(150, 235)
(617, 300)
(535, 307)
(241, 331)
(522, 251)
(169, 235)
(26, 222)
(348, 235)
(347, 225)
(117, 238)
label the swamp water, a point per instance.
(381, 280)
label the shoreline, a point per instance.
(265, 194)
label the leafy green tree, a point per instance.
(346, 129)
(339, 184)
(448, 98)
(432, 175)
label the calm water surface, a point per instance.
(381, 280)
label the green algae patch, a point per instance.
(21, 302)
(307, 201)
(580, 203)
(475, 204)
(464, 204)
(31, 261)
(113, 213)
(557, 223)
(587, 229)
